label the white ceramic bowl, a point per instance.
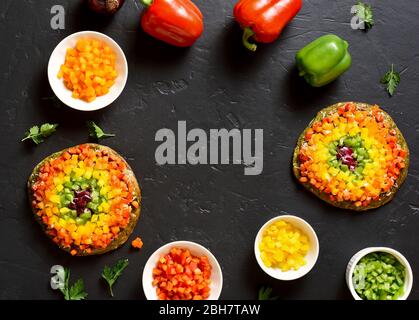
(355, 259)
(196, 250)
(311, 256)
(58, 58)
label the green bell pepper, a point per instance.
(323, 60)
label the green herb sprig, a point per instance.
(111, 274)
(265, 293)
(96, 132)
(74, 292)
(38, 134)
(391, 79)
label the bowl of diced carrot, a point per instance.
(286, 247)
(87, 71)
(182, 270)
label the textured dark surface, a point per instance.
(214, 84)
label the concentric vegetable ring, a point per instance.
(353, 156)
(86, 198)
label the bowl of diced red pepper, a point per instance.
(182, 270)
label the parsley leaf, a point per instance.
(364, 13)
(265, 294)
(392, 80)
(74, 292)
(112, 274)
(96, 132)
(38, 135)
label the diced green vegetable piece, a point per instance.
(359, 170)
(62, 198)
(86, 215)
(344, 167)
(333, 151)
(93, 206)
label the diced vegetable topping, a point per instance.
(352, 155)
(137, 243)
(80, 201)
(84, 197)
(89, 69)
(283, 246)
(182, 276)
(379, 276)
(347, 157)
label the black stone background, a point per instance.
(214, 84)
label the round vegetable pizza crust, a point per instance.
(383, 198)
(126, 204)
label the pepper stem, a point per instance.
(247, 33)
(147, 3)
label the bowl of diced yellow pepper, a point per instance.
(286, 247)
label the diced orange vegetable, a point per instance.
(137, 243)
(89, 69)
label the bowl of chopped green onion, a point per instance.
(379, 273)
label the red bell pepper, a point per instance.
(177, 22)
(264, 20)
